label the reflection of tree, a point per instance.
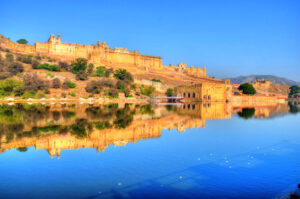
(293, 108)
(124, 117)
(22, 149)
(170, 108)
(80, 128)
(147, 109)
(246, 113)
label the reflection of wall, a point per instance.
(206, 111)
(101, 139)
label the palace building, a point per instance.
(210, 91)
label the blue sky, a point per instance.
(229, 37)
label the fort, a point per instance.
(99, 54)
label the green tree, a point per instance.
(247, 88)
(294, 90)
(101, 71)
(22, 41)
(122, 74)
(170, 92)
(79, 65)
(147, 90)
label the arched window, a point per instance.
(189, 95)
(188, 106)
(205, 97)
(193, 106)
(209, 97)
(183, 106)
(184, 95)
(194, 95)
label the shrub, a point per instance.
(96, 86)
(49, 75)
(122, 74)
(22, 41)
(38, 57)
(63, 95)
(122, 85)
(79, 65)
(81, 75)
(41, 95)
(170, 92)
(247, 88)
(68, 84)
(133, 86)
(93, 87)
(10, 86)
(28, 94)
(25, 59)
(48, 67)
(35, 64)
(72, 93)
(9, 57)
(108, 72)
(56, 83)
(113, 93)
(156, 80)
(90, 68)
(33, 83)
(100, 71)
(15, 68)
(4, 75)
(65, 66)
(147, 90)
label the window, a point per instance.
(188, 106)
(193, 106)
(189, 95)
(184, 95)
(194, 95)
(209, 97)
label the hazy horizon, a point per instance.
(231, 39)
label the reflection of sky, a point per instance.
(236, 158)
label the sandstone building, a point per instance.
(214, 91)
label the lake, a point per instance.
(143, 151)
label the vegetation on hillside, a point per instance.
(28, 84)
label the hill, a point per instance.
(271, 78)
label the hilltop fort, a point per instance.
(100, 54)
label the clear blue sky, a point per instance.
(231, 38)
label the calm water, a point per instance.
(127, 151)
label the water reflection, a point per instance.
(61, 127)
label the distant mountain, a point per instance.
(271, 78)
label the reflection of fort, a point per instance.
(146, 123)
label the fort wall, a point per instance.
(99, 54)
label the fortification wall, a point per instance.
(99, 54)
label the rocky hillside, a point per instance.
(271, 78)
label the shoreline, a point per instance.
(80, 100)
